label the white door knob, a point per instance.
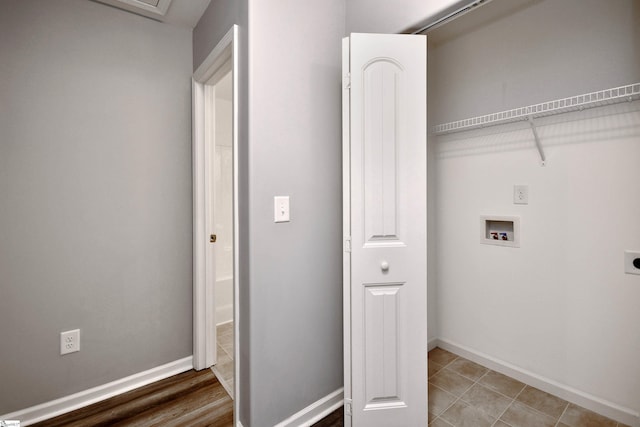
(384, 266)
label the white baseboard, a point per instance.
(57, 407)
(586, 400)
(316, 411)
(224, 314)
(224, 322)
(432, 343)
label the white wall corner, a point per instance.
(316, 411)
(54, 408)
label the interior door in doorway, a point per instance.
(221, 221)
(221, 226)
(385, 274)
(218, 206)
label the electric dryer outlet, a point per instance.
(632, 262)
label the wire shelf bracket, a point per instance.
(529, 113)
(543, 158)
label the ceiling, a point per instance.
(181, 13)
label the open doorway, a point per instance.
(215, 214)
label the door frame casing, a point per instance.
(224, 53)
(346, 228)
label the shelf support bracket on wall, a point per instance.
(543, 159)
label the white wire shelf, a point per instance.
(579, 102)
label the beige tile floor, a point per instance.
(463, 393)
(225, 366)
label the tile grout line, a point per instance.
(466, 390)
(539, 412)
(457, 398)
(218, 334)
(562, 414)
(220, 376)
(220, 372)
(229, 388)
(477, 382)
(508, 406)
(225, 352)
(447, 408)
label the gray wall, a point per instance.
(213, 25)
(560, 306)
(291, 302)
(295, 150)
(95, 190)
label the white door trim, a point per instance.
(225, 52)
(346, 230)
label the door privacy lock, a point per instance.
(213, 238)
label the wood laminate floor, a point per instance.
(194, 399)
(461, 393)
(334, 419)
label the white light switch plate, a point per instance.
(521, 194)
(281, 211)
(629, 257)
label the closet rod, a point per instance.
(579, 102)
(449, 17)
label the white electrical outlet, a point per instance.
(521, 194)
(69, 341)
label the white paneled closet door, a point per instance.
(385, 273)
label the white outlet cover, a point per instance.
(521, 194)
(69, 341)
(629, 256)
